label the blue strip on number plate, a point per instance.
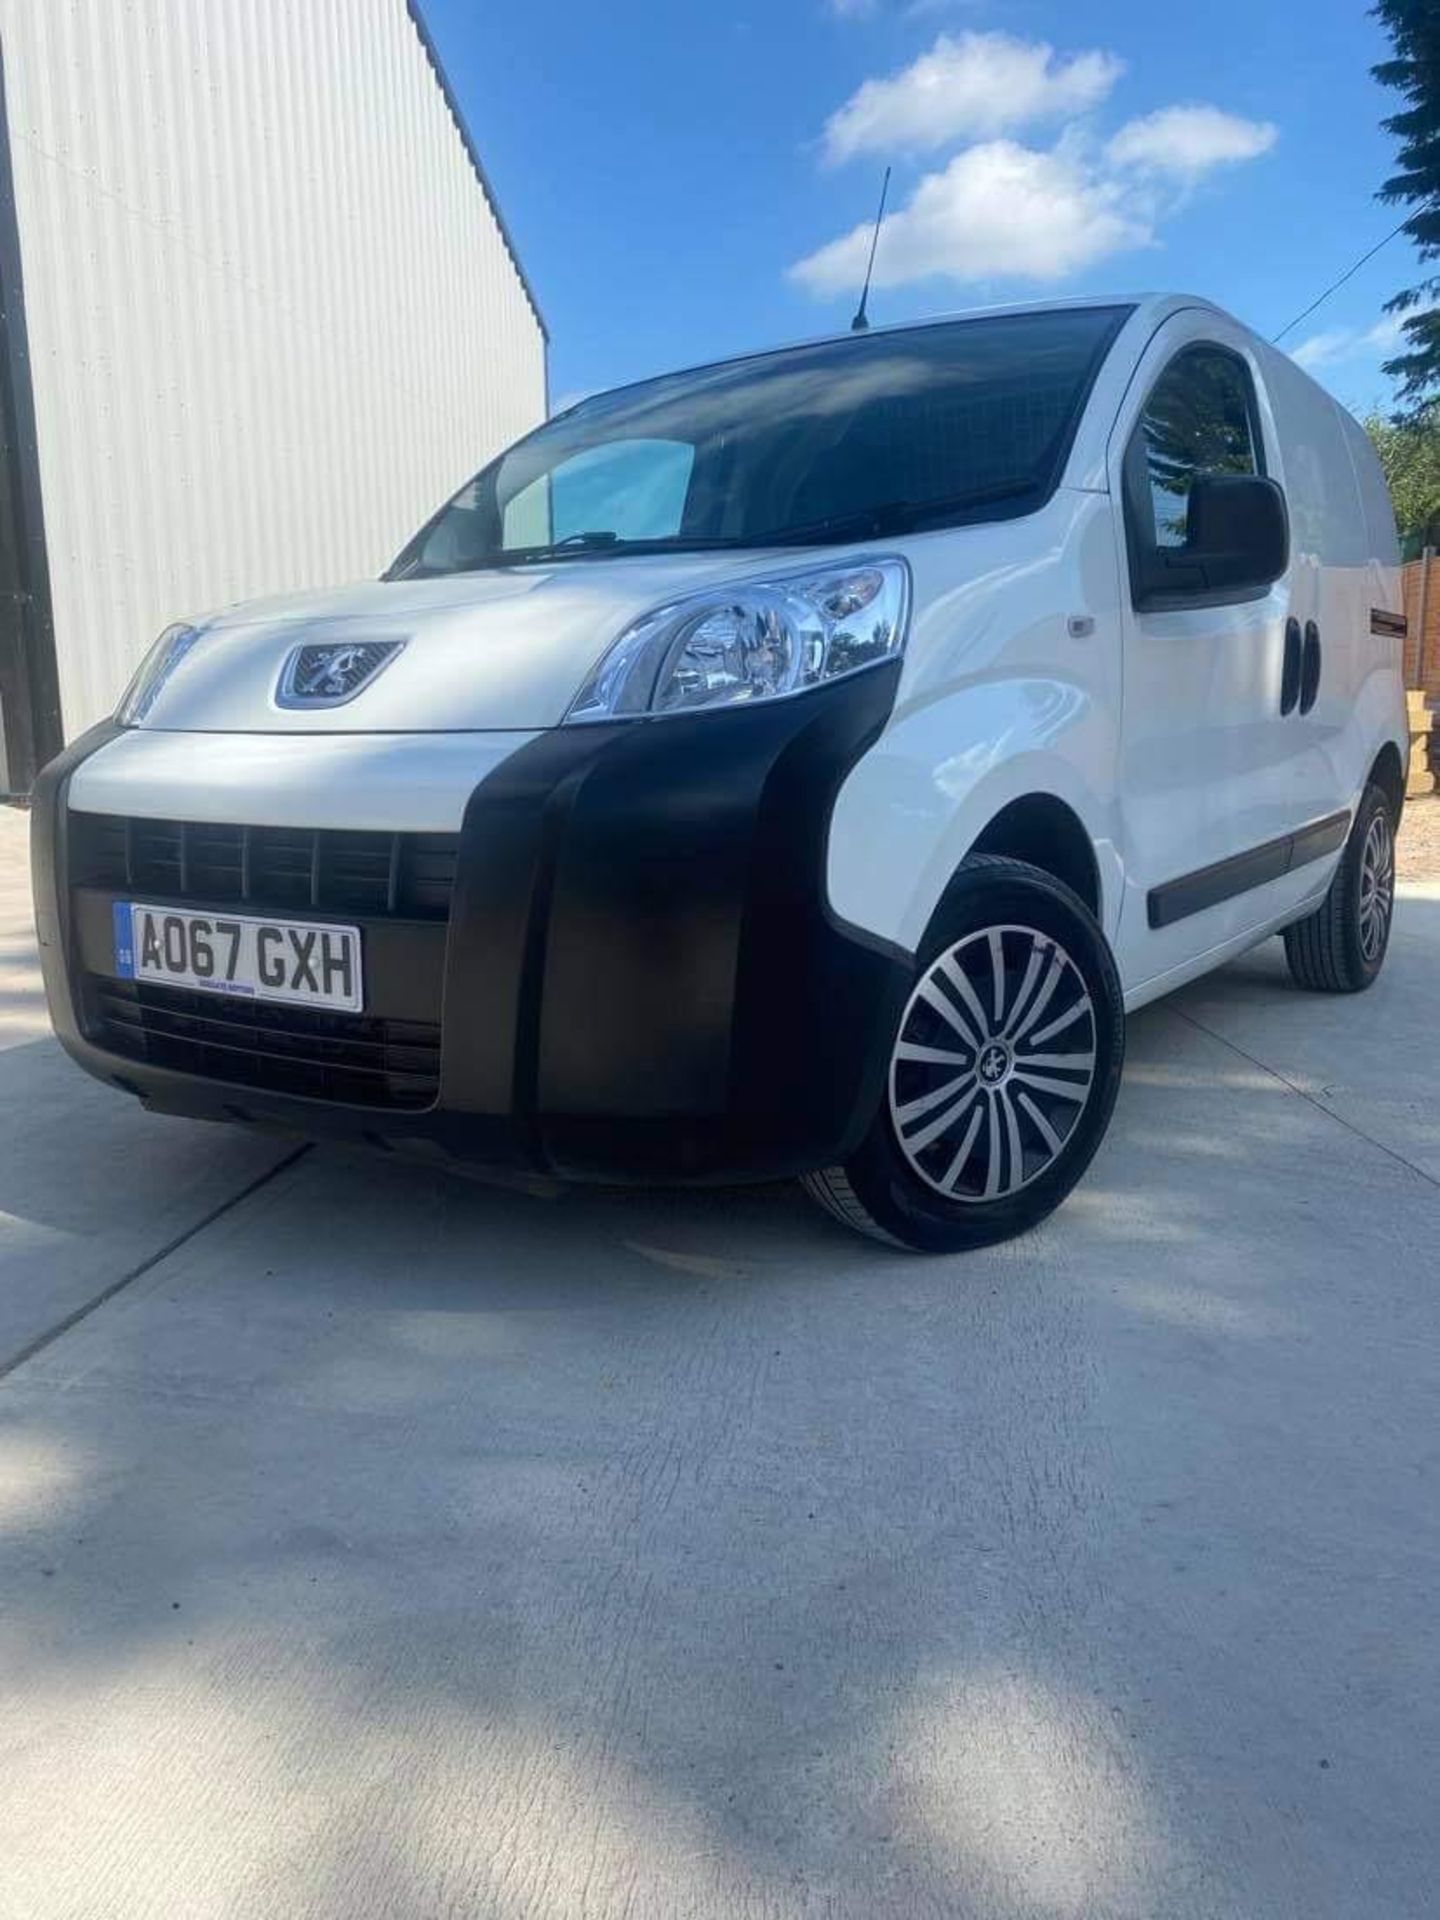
(124, 940)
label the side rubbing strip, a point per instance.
(1392, 625)
(1208, 886)
(1318, 839)
(1256, 867)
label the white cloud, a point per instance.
(1337, 345)
(973, 87)
(1188, 141)
(1003, 210)
(997, 211)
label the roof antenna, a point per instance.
(860, 324)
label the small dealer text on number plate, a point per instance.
(236, 954)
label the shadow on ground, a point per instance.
(401, 1546)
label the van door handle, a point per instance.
(1290, 672)
(1310, 667)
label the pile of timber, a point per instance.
(1424, 744)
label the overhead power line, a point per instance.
(1349, 273)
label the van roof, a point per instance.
(1153, 304)
(1153, 307)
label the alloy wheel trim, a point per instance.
(993, 1064)
(1377, 887)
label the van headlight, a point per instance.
(154, 670)
(750, 640)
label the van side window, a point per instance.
(1200, 418)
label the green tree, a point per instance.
(1414, 72)
(1409, 452)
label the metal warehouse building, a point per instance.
(259, 315)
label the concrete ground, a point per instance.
(383, 1545)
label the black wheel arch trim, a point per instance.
(673, 975)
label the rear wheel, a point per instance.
(1003, 1069)
(1341, 947)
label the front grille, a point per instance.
(404, 875)
(275, 1049)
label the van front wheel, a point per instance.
(1003, 1070)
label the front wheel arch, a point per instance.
(1042, 831)
(1389, 775)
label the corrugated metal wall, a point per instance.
(273, 318)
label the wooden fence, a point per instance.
(1422, 619)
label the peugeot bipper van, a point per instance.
(797, 765)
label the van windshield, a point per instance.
(850, 439)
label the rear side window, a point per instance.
(1200, 419)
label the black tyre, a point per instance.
(1003, 1070)
(1341, 947)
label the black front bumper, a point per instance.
(639, 979)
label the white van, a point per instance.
(798, 765)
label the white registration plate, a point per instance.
(236, 954)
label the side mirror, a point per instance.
(1237, 542)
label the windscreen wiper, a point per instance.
(593, 540)
(574, 546)
(581, 546)
(595, 537)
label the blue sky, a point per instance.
(684, 181)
